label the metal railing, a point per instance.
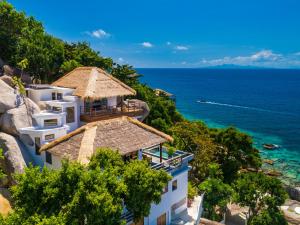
(172, 163)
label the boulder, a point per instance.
(13, 152)
(19, 117)
(294, 192)
(10, 71)
(269, 161)
(8, 97)
(8, 80)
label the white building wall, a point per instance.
(170, 198)
(56, 161)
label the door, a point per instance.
(37, 141)
(162, 219)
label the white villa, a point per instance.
(85, 110)
(133, 140)
(84, 95)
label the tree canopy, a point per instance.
(263, 195)
(216, 193)
(95, 194)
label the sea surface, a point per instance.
(265, 103)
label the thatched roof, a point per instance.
(124, 134)
(93, 83)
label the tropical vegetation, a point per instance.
(67, 195)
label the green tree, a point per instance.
(269, 217)
(69, 65)
(95, 194)
(235, 151)
(261, 193)
(1, 158)
(144, 186)
(216, 193)
(11, 24)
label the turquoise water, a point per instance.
(263, 103)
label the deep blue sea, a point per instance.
(264, 103)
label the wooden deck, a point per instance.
(103, 115)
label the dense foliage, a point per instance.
(1, 158)
(231, 149)
(54, 198)
(94, 194)
(263, 195)
(217, 193)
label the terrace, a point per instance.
(160, 159)
(93, 112)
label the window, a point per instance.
(50, 123)
(49, 137)
(53, 96)
(162, 220)
(59, 96)
(48, 157)
(166, 189)
(37, 142)
(56, 109)
(174, 185)
(70, 114)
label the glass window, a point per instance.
(37, 141)
(50, 123)
(70, 114)
(174, 185)
(59, 96)
(53, 96)
(162, 220)
(49, 137)
(56, 109)
(48, 157)
(166, 189)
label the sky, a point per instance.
(178, 33)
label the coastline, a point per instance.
(284, 161)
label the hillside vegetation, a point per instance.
(227, 151)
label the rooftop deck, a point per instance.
(168, 163)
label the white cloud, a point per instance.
(261, 57)
(181, 48)
(121, 59)
(147, 44)
(98, 34)
(168, 43)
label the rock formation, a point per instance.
(14, 156)
(8, 97)
(18, 117)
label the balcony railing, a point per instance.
(128, 108)
(172, 163)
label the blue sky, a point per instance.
(172, 33)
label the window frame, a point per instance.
(50, 125)
(49, 139)
(67, 116)
(174, 185)
(48, 157)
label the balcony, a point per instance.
(161, 160)
(131, 108)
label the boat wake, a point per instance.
(243, 107)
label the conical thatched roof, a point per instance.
(124, 134)
(93, 83)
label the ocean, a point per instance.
(265, 103)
